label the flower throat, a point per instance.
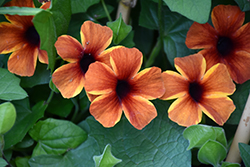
(32, 36)
(122, 89)
(224, 45)
(195, 91)
(85, 61)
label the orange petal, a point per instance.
(43, 56)
(69, 48)
(148, 83)
(45, 5)
(217, 81)
(95, 38)
(242, 37)
(238, 66)
(104, 57)
(125, 62)
(175, 85)
(69, 80)
(211, 56)
(185, 112)
(23, 61)
(100, 79)
(191, 67)
(218, 109)
(201, 36)
(11, 38)
(138, 111)
(106, 109)
(227, 19)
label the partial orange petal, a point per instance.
(69, 80)
(91, 97)
(95, 38)
(11, 38)
(201, 36)
(217, 81)
(43, 56)
(104, 57)
(218, 109)
(23, 61)
(192, 67)
(125, 62)
(45, 5)
(211, 56)
(227, 19)
(139, 111)
(148, 84)
(238, 66)
(69, 48)
(175, 85)
(106, 109)
(242, 37)
(185, 112)
(100, 79)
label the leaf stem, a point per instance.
(242, 135)
(50, 97)
(160, 21)
(156, 50)
(106, 10)
(74, 101)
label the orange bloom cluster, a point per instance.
(20, 37)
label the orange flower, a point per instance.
(70, 78)
(228, 42)
(20, 37)
(119, 87)
(198, 91)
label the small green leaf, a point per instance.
(9, 86)
(245, 153)
(22, 161)
(243, 4)
(128, 41)
(7, 117)
(22, 11)
(56, 136)
(80, 6)
(197, 135)
(106, 159)
(220, 136)
(229, 164)
(212, 152)
(195, 10)
(25, 120)
(3, 162)
(120, 29)
(53, 86)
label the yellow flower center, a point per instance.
(122, 89)
(32, 36)
(85, 61)
(195, 91)
(224, 45)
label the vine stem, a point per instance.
(106, 10)
(242, 135)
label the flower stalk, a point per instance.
(242, 135)
(124, 8)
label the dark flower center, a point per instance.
(85, 61)
(32, 36)
(224, 45)
(195, 91)
(122, 89)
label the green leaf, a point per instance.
(220, 136)
(197, 135)
(79, 6)
(212, 152)
(9, 86)
(106, 159)
(41, 76)
(3, 162)
(7, 117)
(97, 12)
(229, 164)
(120, 29)
(195, 10)
(25, 120)
(239, 98)
(243, 4)
(22, 161)
(1, 2)
(49, 161)
(245, 153)
(175, 29)
(56, 136)
(128, 41)
(22, 11)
